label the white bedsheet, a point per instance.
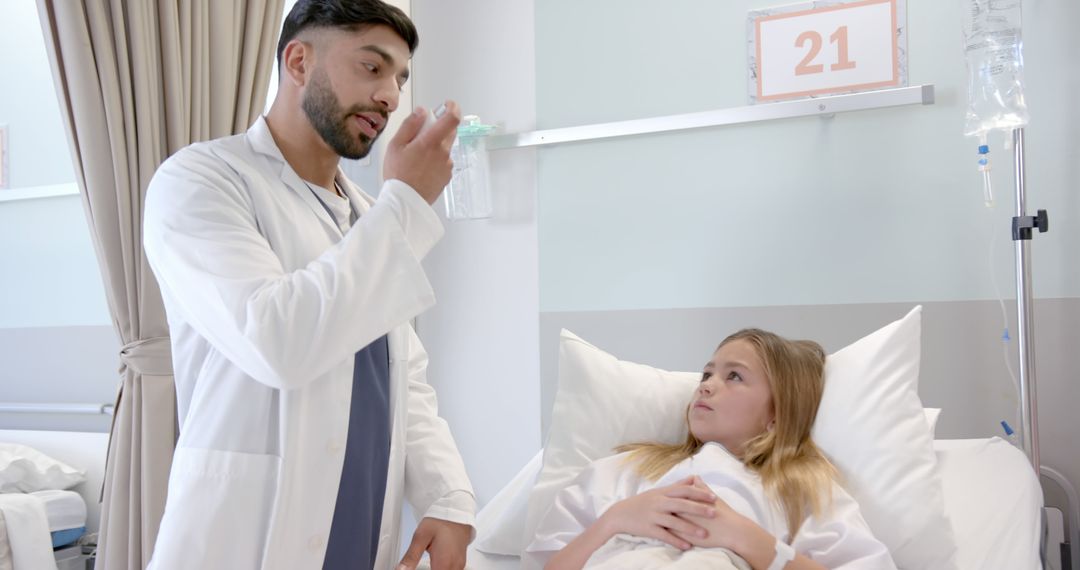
(28, 536)
(624, 552)
(992, 498)
(64, 510)
(482, 561)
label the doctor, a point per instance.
(305, 415)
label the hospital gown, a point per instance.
(838, 539)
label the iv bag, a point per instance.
(995, 64)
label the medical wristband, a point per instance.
(784, 554)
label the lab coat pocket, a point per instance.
(218, 511)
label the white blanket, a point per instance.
(625, 552)
(837, 539)
(27, 532)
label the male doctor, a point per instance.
(305, 416)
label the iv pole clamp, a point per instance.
(1022, 224)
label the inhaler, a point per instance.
(995, 64)
(468, 196)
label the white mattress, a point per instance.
(994, 502)
(992, 498)
(64, 510)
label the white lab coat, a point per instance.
(267, 304)
(839, 539)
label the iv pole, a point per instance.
(1022, 224)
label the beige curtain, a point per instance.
(137, 80)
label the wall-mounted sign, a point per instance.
(827, 48)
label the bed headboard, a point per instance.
(82, 450)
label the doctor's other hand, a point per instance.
(421, 157)
(659, 513)
(444, 541)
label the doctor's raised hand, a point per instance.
(420, 157)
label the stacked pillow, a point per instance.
(26, 470)
(871, 423)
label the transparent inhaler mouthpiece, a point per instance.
(468, 196)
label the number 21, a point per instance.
(839, 37)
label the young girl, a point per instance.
(747, 489)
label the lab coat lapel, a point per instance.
(389, 541)
(263, 143)
(296, 184)
(398, 343)
(357, 197)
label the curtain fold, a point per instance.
(136, 82)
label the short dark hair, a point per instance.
(354, 15)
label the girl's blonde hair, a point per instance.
(793, 470)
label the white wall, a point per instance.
(51, 276)
(58, 365)
(46, 257)
(867, 207)
(482, 335)
(28, 103)
(57, 344)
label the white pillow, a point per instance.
(603, 402)
(871, 424)
(26, 470)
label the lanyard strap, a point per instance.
(329, 212)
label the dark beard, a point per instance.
(326, 116)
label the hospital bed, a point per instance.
(991, 496)
(73, 514)
(992, 499)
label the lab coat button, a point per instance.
(334, 447)
(315, 543)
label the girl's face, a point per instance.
(734, 403)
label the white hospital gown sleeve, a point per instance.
(577, 507)
(840, 539)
